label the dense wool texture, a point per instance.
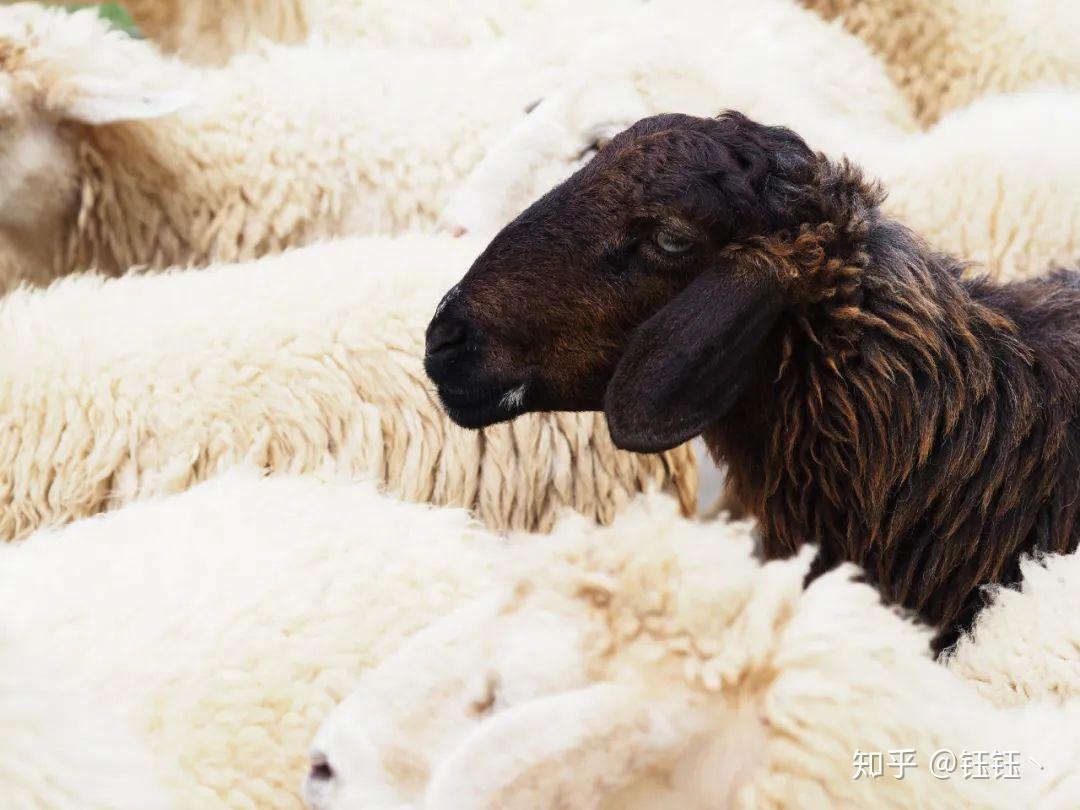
(570, 667)
(1025, 645)
(944, 54)
(224, 623)
(867, 396)
(658, 665)
(983, 184)
(120, 388)
(920, 425)
(297, 144)
(61, 749)
(816, 78)
(271, 151)
(997, 184)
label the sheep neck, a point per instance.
(913, 421)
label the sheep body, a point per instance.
(62, 749)
(121, 388)
(944, 54)
(224, 622)
(997, 183)
(647, 665)
(256, 602)
(1025, 646)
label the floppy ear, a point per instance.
(686, 366)
(84, 69)
(574, 748)
(95, 101)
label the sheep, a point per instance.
(223, 623)
(256, 603)
(944, 54)
(61, 749)
(1025, 645)
(102, 126)
(111, 160)
(647, 665)
(716, 277)
(983, 183)
(115, 389)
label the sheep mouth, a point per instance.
(479, 408)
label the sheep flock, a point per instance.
(249, 561)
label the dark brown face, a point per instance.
(609, 292)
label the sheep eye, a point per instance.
(671, 243)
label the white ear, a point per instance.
(95, 100)
(581, 745)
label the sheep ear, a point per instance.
(686, 366)
(582, 745)
(96, 100)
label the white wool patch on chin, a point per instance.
(514, 397)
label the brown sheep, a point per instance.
(717, 277)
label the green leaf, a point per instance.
(116, 15)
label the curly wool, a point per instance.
(116, 389)
(647, 665)
(1025, 645)
(357, 154)
(981, 184)
(223, 623)
(944, 54)
(272, 151)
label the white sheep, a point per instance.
(222, 624)
(60, 748)
(116, 389)
(657, 665)
(997, 183)
(944, 54)
(113, 156)
(1025, 645)
(295, 144)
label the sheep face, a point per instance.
(625, 289)
(380, 747)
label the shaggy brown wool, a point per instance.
(716, 276)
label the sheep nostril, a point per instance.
(445, 336)
(320, 769)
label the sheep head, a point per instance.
(601, 665)
(60, 71)
(381, 746)
(641, 286)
